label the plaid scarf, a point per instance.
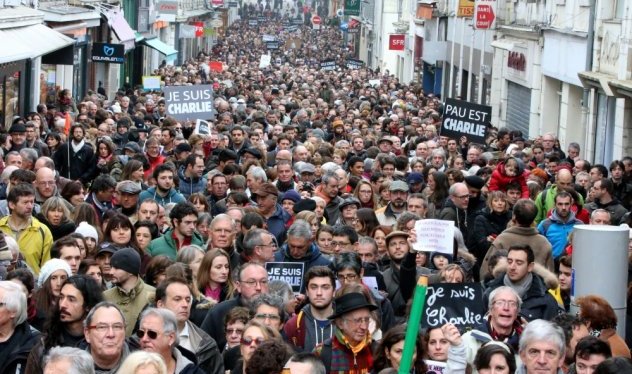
(350, 359)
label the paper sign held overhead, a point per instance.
(202, 127)
(434, 235)
(265, 61)
(151, 82)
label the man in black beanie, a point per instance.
(129, 293)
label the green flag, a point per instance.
(352, 7)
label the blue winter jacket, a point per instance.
(172, 197)
(277, 222)
(556, 231)
(313, 257)
(188, 186)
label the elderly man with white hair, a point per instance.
(68, 360)
(17, 337)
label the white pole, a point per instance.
(470, 75)
(451, 72)
(460, 77)
(481, 72)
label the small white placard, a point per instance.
(434, 235)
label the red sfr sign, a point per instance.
(396, 42)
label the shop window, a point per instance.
(619, 9)
(9, 97)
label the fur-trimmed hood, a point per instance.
(550, 279)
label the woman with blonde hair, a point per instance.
(143, 362)
(254, 334)
(214, 278)
(55, 215)
(311, 218)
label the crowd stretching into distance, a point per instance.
(282, 240)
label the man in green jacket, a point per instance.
(545, 201)
(130, 293)
(183, 220)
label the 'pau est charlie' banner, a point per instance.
(189, 102)
(461, 118)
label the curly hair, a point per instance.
(269, 357)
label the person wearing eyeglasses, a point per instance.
(252, 280)
(537, 302)
(269, 310)
(502, 323)
(455, 208)
(255, 333)
(158, 333)
(17, 337)
(104, 331)
(352, 345)
(259, 246)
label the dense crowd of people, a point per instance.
(132, 243)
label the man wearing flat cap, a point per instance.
(267, 198)
(128, 193)
(390, 213)
(129, 293)
(351, 347)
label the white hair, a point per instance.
(14, 300)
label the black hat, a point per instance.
(475, 181)
(182, 147)
(17, 128)
(133, 146)
(304, 204)
(106, 247)
(347, 303)
(126, 259)
(253, 151)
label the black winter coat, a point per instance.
(78, 165)
(20, 344)
(486, 224)
(537, 303)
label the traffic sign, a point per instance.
(316, 20)
(485, 15)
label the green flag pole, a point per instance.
(412, 330)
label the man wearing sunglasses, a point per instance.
(158, 333)
(175, 295)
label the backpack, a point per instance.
(297, 331)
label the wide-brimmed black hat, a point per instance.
(350, 302)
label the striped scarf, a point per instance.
(350, 359)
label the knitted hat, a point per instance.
(126, 259)
(291, 195)
(87, 231)
(50, 267)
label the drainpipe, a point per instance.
(589, 64)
